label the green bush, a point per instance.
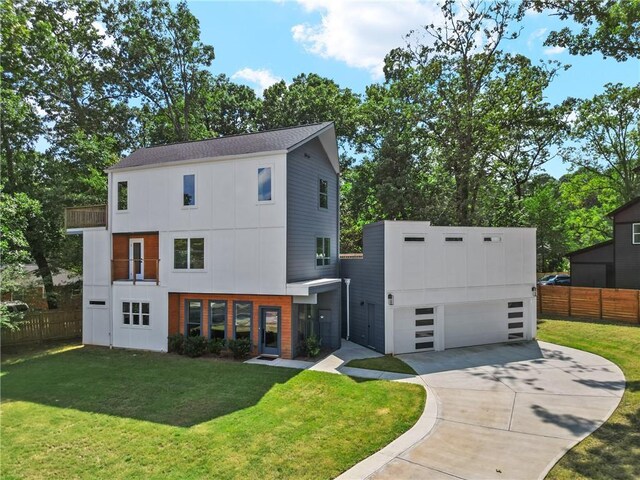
(176, 343)
(310, 346)
(195, 346)
(216, 345)
(240, 347)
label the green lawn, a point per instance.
(613, 451)
(387, 363)
(95, 413)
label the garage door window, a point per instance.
(422, 345)
(516, 314)
(424, 311)
(424, 333)
(424, 322)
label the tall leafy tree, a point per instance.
(611, 27)
(607, 136)
(161, 59)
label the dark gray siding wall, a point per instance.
(593, 268)
(367, 287)
(305, 219)
(602, 254)
(627, 257)
(629, 214)
(330, 327)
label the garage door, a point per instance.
(467, 324)
(414, 329)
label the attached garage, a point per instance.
(442, 287)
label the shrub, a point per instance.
(216, 345)
(240, 347)
(195, 346)
(311, 346)
(176, 343)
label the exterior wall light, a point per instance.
(390, 299)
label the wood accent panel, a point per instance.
(285, 303)
(174, 313)
(120, 268)
(584, 302)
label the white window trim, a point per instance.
(634, 233)
(320, 207)
(188, 269)
(325, 256)
(131, 325)
(195, 191)
(273, 184)
(118, 197)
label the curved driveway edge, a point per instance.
(498, 412)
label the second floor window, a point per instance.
(188, 190)
(635, 233)
(324, 193)
(123, 196)
(264, 184)
(188, 253)
(323, 251)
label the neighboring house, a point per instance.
(419, 287)
(614, 263)
(232, 237)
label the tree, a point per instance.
(310, 98)
(161, 59)
(608, 139)
(611, 27)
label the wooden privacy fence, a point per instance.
(48, 325)
(584, 302)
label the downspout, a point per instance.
(109, 218)
(347, 281)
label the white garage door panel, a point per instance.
(406, 331)
(474, 324)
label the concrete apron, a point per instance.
(498, 412)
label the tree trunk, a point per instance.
(43, 268)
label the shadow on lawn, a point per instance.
(160, 388)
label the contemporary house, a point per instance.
(614, 263)
(232, 237)
(418, 287)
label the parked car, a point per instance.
(555, 279)
(16, 306)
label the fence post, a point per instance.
(569, 302)
(600, 301)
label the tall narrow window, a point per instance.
(189, 190)
(635, 238)
(242, 319)
(264, 184)
(188, 253)
(218, 312)
(324, 193)
(194, 318)
(323, 251)
(123, 196)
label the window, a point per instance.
(424, 323)
(424, 311)
(97, 302)
(635, 233)
(242, 319)
(514, 304)
(194, 318)
(218, 324)
(424, 333)
(323, 251)
(414, 239)
(453, 239)
(264, 184)
(424, 345)
(188, 190)
(188, 253)
(135, 314)
(324, 193)
(515, 315)
(123, 196)
(493, 239)
(516, 325)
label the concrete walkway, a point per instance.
(500, 411)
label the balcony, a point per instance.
(85, 217)
(140, 270)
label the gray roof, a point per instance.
(248, 143)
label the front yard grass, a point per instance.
(95, 413)
(612, 451)
(387, 363)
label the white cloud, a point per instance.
(535, 36)
(361, 33)
(107, 40)
(260, 78)
(554, 50)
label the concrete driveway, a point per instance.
(500, 411)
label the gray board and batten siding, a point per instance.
(367, 299)
(306, 220)
(593, 266)
(626, 253)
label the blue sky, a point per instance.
(259, 43)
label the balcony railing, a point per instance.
(144, 270)
(85, 217)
